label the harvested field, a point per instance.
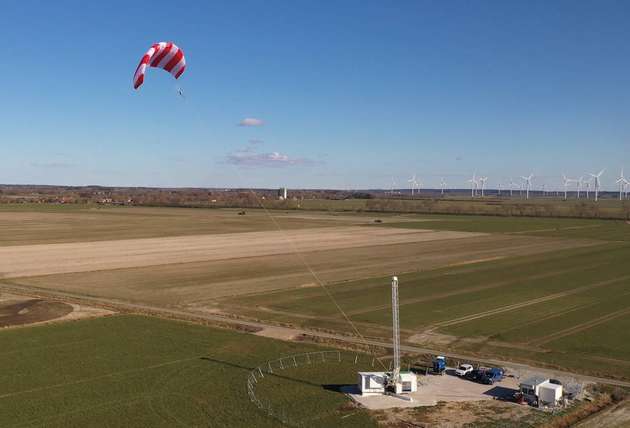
(201, 283)
(31, 260)
(46, 224)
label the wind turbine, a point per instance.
(622, 183)
(567, 181)
(482, 182)
(413, 182)
(393, 184)
(442, 185)
(579, 183)
(512, 185)
(473, 185)
(597, 183)
(528, 180)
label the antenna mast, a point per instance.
(396, 329)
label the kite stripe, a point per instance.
(161, 55)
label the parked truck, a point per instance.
(439, 365)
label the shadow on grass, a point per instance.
(275, 374)
(342, 388)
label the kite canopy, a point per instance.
(165, 55)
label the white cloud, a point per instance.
(249, 157)
(251, 121)
(53, 164)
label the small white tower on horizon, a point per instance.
(282, 193)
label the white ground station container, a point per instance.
(549, 394)
(408, 383)
(530, 387)
(373, 383)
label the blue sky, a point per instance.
(350, 92)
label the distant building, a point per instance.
(282, 193)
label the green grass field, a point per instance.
(462, 204)
(550, 303)
(135, 371)
(607, 230)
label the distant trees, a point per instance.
(331, 200)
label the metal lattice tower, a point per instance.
(396, 329)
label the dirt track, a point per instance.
(32, 260)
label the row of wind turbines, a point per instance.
(582, 186)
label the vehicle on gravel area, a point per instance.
(464, 369)
(486, 376)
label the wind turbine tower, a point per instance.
(596, 182)
(413, 182)
(528, 181)
(443, 186)
(482, 182)
(567, 181)
(622, 182)
(393, 184)
(473, 185)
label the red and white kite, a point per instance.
(161, 55)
